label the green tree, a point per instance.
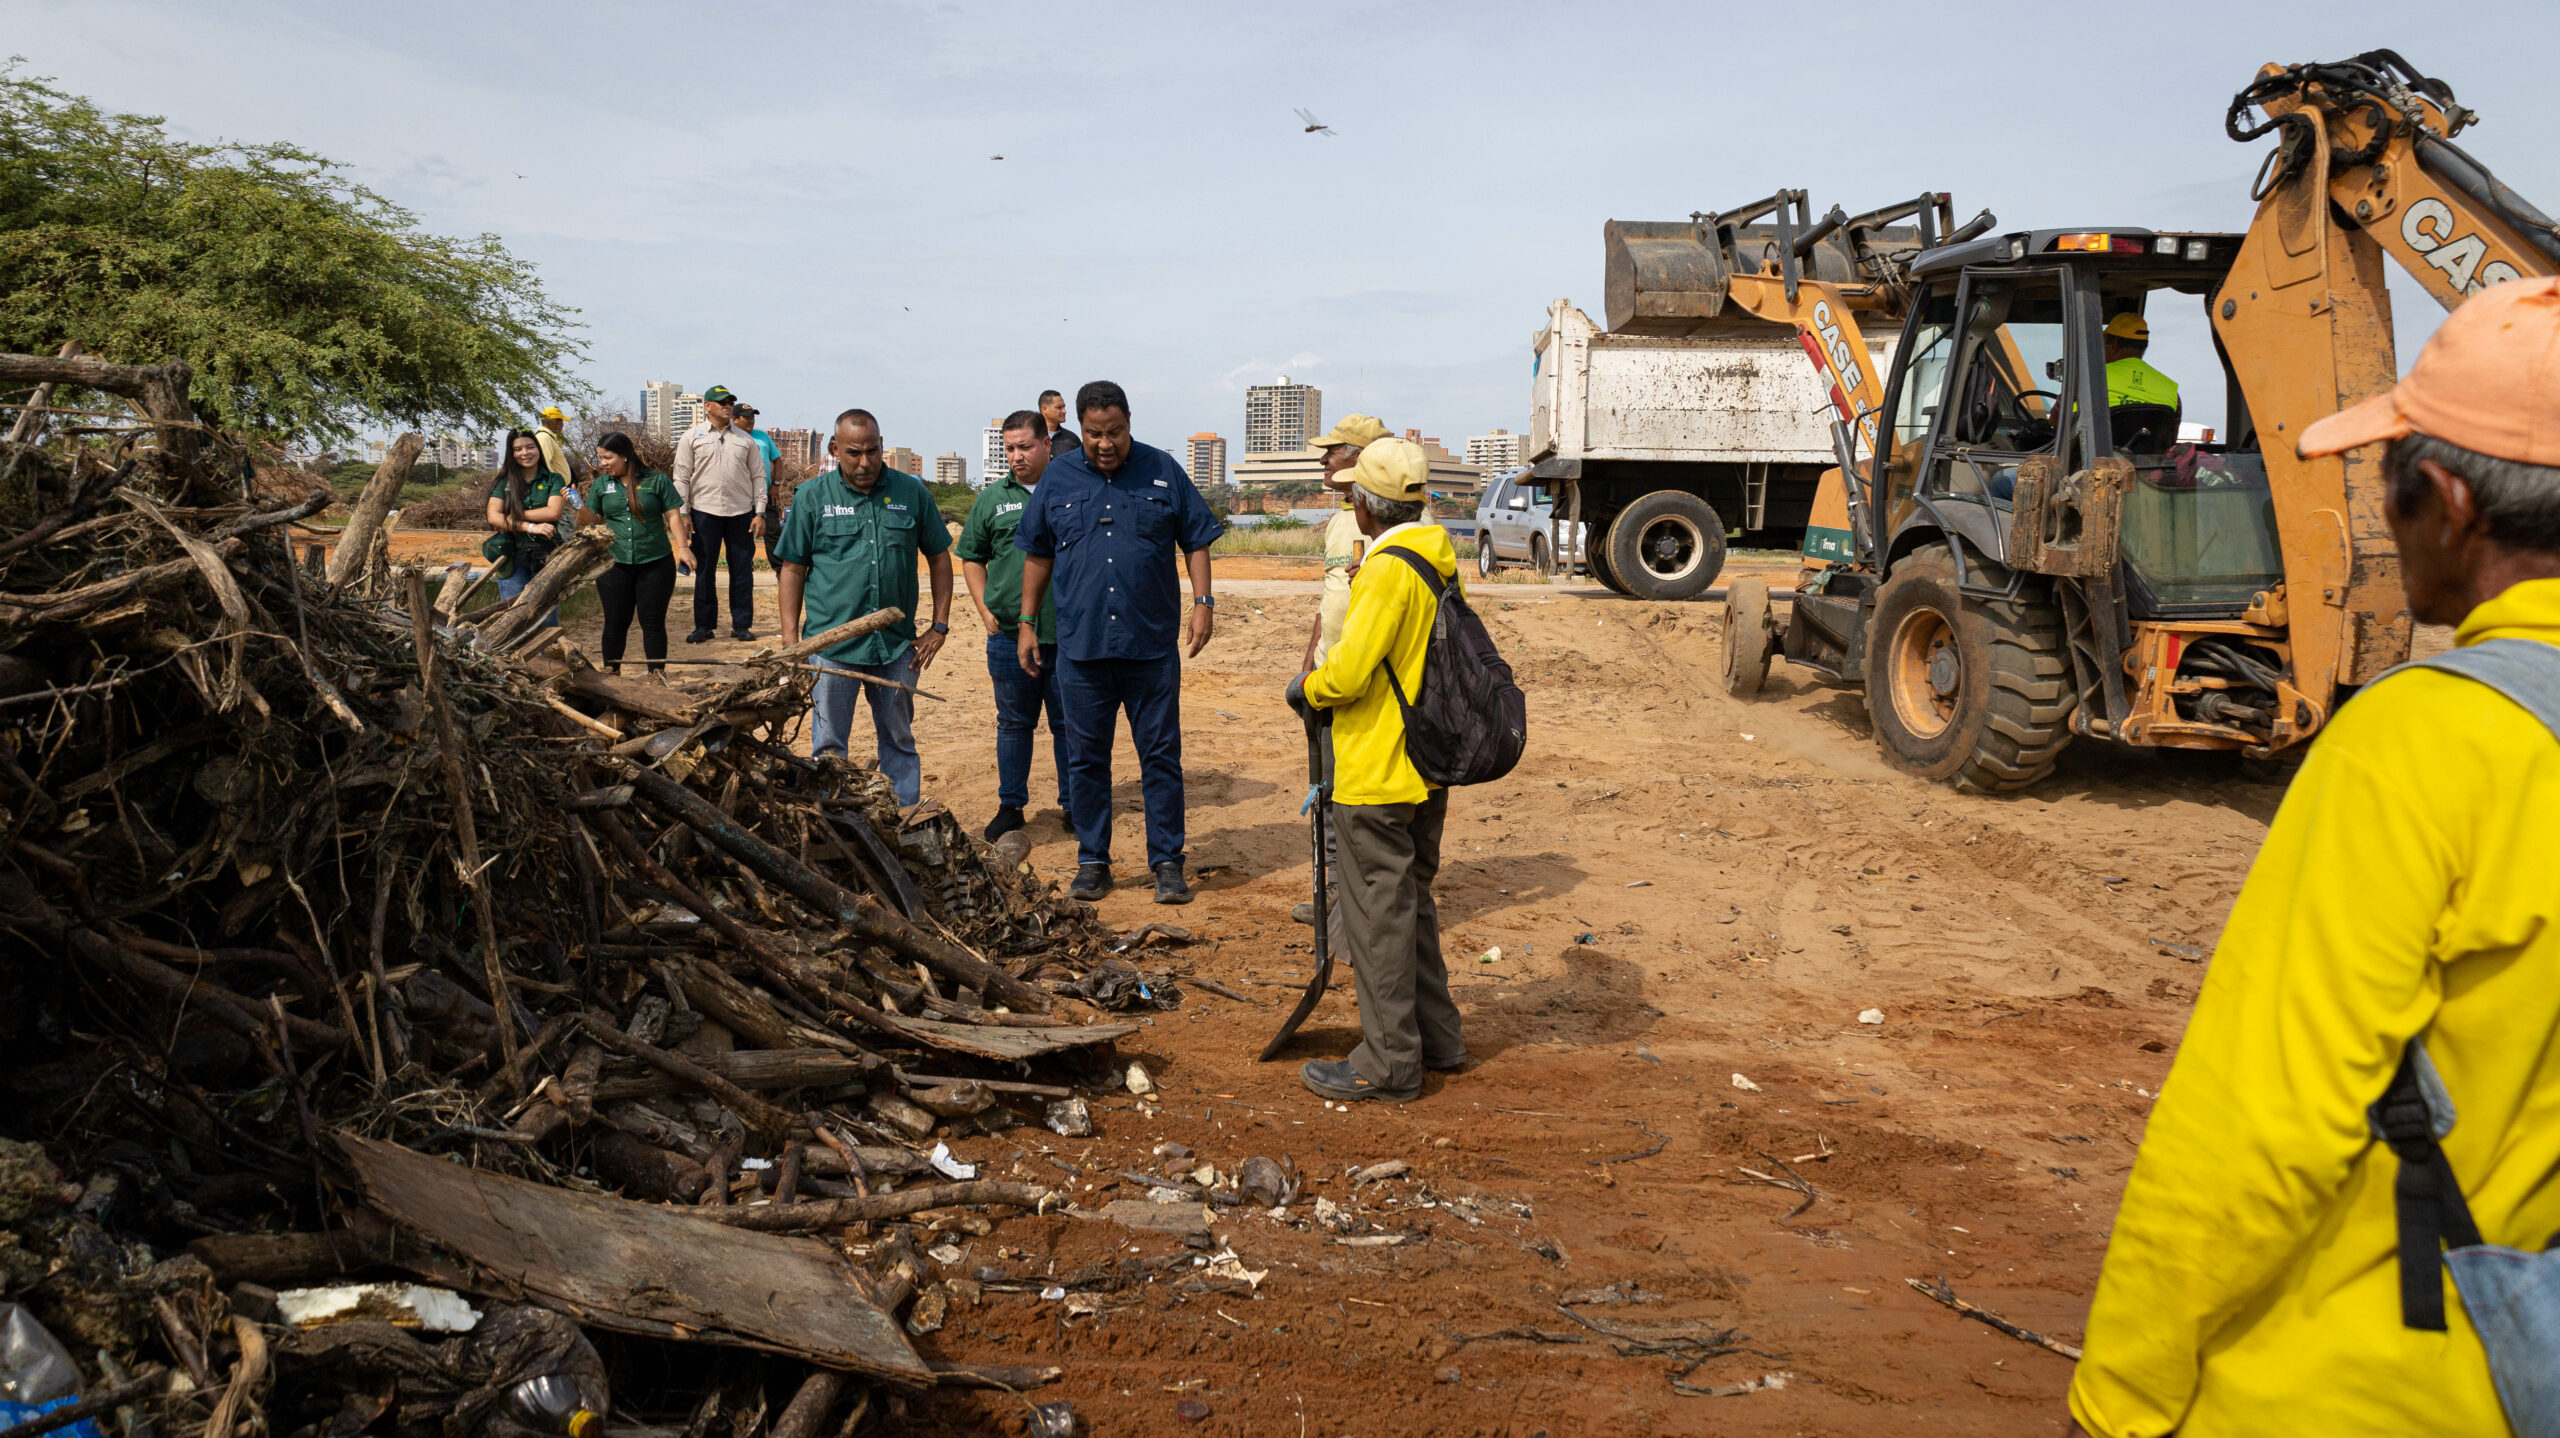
(307, 305)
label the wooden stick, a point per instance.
(1947, 1295)
(466, 832)
(823, 667)
(877, 619)
(809, 1407)
(153, 1383)
(836, 1212)
(864, 915)
(37, 403)
(596, 725)
(355, 542)
(771, 1121)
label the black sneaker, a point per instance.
(1092, 882)
(742, 634)
(1007, 819)
(1170, 889)
(1336, 1079)
(699, 636)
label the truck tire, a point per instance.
(1748, 637)
(1974, 692)
(1595, 555)
(1539, 559)
(1667, 545)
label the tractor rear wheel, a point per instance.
(1975, 692)
(1747, 637)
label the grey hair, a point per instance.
(2519, 502)
(1389, 512)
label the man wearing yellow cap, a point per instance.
(555, 453)
(2130, 378)
(1387, 819)
(2367, 1090)
(1344, 545)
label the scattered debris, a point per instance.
(1392, 1168)
(1945, 1294)
(1070, 1118)
(1490, 956)
(1793, 1180)
(1660, 1142)
(1744, 1084)
(1138, 1082)
(402, 1305)
(2188, 952)
(1871, 1016)
(1765, 1382)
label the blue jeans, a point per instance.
(1019, 699)
(513, 585)
(1091, 695)
(893, 720)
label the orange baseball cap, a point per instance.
(2489, 381)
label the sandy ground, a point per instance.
(1694, 898)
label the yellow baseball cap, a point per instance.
(2130, 326)
(1392, 468)
(1352, 429)
(552, 411)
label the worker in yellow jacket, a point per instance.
(2406, 890)
(1386, 819)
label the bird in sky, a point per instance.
(995, 157)
(1314, 125)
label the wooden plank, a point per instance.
(635, 696)
(640, 1268)
(748, 1069)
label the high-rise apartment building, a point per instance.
(658, 407)
(950, 468)
(904, 460)
(991, 460)
(1281, 417)
(1497, 451)
(1204, 457)
(798, 446)
(683, 414)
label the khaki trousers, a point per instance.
(1391, 927)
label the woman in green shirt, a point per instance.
(529, 505)
(637, 503)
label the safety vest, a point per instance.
(2131, 381)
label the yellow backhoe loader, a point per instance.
(2018, 561)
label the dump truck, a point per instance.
(1688, 424)
(2036, 559)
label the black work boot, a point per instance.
(1007, 819)
(1336, 1079)
(1092, 881)
(1170, 889)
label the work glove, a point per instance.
(1298, 698)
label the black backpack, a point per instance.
(1472, 721)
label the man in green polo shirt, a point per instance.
(849, 547)
(993, 568)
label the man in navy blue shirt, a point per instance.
(1107, 519)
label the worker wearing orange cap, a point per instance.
(2362, 1127)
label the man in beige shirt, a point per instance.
(1344, 547)
(721, 476)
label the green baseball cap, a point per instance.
(719, 394)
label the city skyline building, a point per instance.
(683, 414)
(1204, 458)
(904, 460)
(1497, 451)
(950, 468)
(657, 407)
(799, 446)
(1282, 416)
(991, 460)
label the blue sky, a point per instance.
(797, 200)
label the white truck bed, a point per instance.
(1746, 399)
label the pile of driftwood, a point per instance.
(351, 927)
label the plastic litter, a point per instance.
(402, 1305)
(1871, 1016)
(1069, 1118)
(34, 1366)
(950, 1166)
(1053, 1420)
(1744, 1084)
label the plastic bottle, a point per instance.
(36, 1373)
(551, 1404)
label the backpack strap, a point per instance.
(1431, 579)
(2415, 1112)
(2526, 671)
(2412, 1115)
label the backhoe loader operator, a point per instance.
(2130, 378)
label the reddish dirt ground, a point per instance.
(1694, 899)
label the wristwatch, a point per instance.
(1205, 601)
(940, 628)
